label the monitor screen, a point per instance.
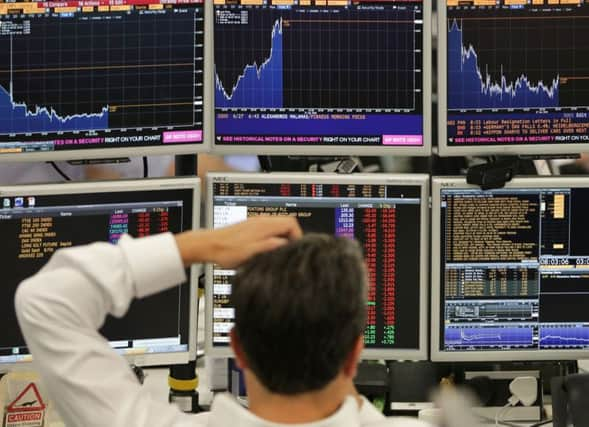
(386, 214)
(35, 221)
(311, 76)
(82, 78)
(513, 270)
(513, 77)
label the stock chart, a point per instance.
(517, 73)
(317, 74)
(90, 73)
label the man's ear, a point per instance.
(350, 367)
(240, 358)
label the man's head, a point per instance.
(300, 313)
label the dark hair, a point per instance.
(299, 311)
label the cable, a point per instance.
(503, 423)
(145, 167)
(59, 171)
(541, 423)
(501, 412)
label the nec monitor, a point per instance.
(322, 77)
(510, 269)
(512, 77)
(37, 220)
(101, 79)
(387, 214)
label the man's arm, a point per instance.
(61, 308)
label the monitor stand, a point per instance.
(493, 174)
(411, 385)
(496, 172)
(183, 382)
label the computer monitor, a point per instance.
(89, 79)
(510, 269)
(37, 220)
(512, 77)
(386, 213)
(322, 77)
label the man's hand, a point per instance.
(230, 246)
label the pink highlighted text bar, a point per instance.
(402, 140)
(178, 136)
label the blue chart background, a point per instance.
(374, 124)
(20, 118)
(260, 85)
(488, 337)
(564, 337)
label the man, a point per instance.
(299, 319)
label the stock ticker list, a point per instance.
(33, 235)
(499, 228)
(372, 214)
(499, 231)
(38, 239)
(33, 228)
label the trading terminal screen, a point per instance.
(517, 72)
(82, 74)
(514, 269)
(316, 73)
(385, 219)
(33, 227)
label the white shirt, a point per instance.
(60, 310)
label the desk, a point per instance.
(156, 384)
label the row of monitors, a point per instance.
(143, 77)
(509, 267)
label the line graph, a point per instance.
(295, 58)
(258, 86)
(100, 71)
(94, 67)
(563, 336)
(488, 337)
(471, 87)
(20, 118)
(526, 58)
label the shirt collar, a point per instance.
(226, 411)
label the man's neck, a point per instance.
(302, 408)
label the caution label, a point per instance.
(27, 410)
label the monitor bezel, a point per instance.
(421, 180)
(437, 355)
(338, 150)
(444, 149)
(158, 150)
(191, 183)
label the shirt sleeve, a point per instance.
(60, 310)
